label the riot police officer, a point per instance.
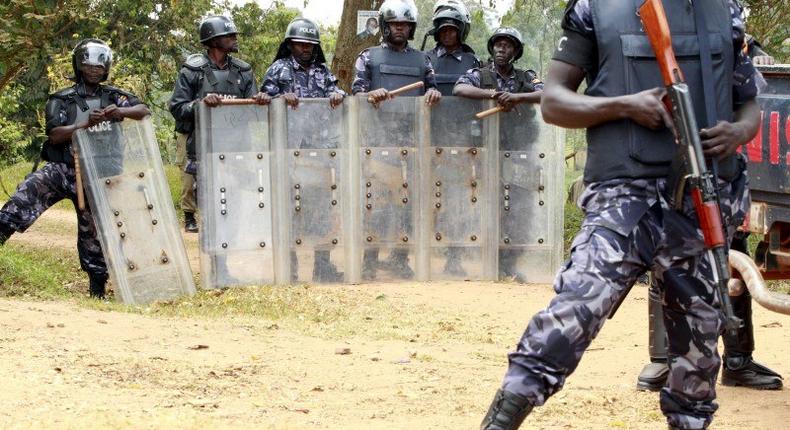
(207, 77)
(384, 68)
(85, 104)
(451, 57)
(299, 70)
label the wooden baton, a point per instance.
(402, 90)
(237, 102)
(488, 112)
(78, 175)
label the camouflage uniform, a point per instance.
(56, 181)
(286, 75)
(362, 78)
(503, 83)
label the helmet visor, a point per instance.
(94, 54)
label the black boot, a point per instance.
(5, 233)
(97, 285)
(506, 412)
(739, 369)
(324, 270)
(370, 264)
(452, 266)
(398, 264)
(190, 224)
(654, 375)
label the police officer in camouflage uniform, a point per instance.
(85, 104)
(451, 57)
(207, 77)
(510, 86)
(387, 67)
(300, 71)
(629, 226)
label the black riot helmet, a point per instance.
(91, 52)
(397, 11)
(305, 31)
(510, 33)
(452, 9)
(215, 26)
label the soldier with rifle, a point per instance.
(208, 77)
(88, 103)
(635, 221)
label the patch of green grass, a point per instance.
(173, 174)
(36, 273)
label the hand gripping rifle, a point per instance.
(697, 176)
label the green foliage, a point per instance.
(34, 272)
(12, 134)
(259, 47)
(767, 21)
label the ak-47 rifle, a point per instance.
(697, 176)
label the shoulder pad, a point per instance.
(196, 61)
(242, 65)
(65, 93)
(112, 89)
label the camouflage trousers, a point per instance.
(42, 189)
(629, 229)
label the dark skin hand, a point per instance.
(724, 138)
(91, 77)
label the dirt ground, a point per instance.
(65, 366)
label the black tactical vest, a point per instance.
(392, 69)
(488, 80)
(624, 149)
(448, 69)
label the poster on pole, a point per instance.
(367, 23)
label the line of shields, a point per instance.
(359, 193)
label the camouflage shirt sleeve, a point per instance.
(430, 75)
(362, 76)
(271, 79)
(331, 81)
(534, 80)
(125, 99)
(471, 77)
(745, 77)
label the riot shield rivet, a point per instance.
(540, 240)
(223, 212)
(541, 188)
(224, 245)
(297, 198)
(507, 186)
(262, 244)
(507, 208)
(131, 267)
(298, 208)
(540, 202)
(507, 240)
(405, 238)
(260, 189)
(368, 206)
(368, 184)
(165, 260)
(332, 154)
(334, 186)
(334, 202)
(334, 241)
(123, 235)
(542, 155)
(260, 205)
(369, 239)
(405, 185)
(154, 222)
(474, 238)
(298, 241)
(141, 174)
(296, 153)
(438, 205)
(438, 150)
(369, 195)
(438, 236)
(367, 151)
(474, 199)
(405, 200)
(116, 213)
(507, 155)
(297, 186)
(107, 181)
(474, 184)
(223, 201)
(150, 206)
(404, 152)
(507, 197)
(260, 156)
(438, 183)
(438, 194)
(222, 190)
(474, 151)
(119, 224)
(221, 156)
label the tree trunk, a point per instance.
(348, 44)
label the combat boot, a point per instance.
(370, 264)
(654, 375)
(98, 284)
(5, 233)
(324, 270)
(398, 264)
(190, 224)
(452, 265)
(507, 411)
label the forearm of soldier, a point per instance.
(62, 134)
(565, 108)
(136, 112)
(472, 92)
(747, 117)
(533, 97)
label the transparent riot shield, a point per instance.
(457, 198)
(384, 173)
(313, 151)
(234, 195)
(131, 204)
(530, 196)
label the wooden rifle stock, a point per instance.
(654, 20)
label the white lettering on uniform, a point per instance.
(563, 39)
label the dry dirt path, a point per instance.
(64, 366)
